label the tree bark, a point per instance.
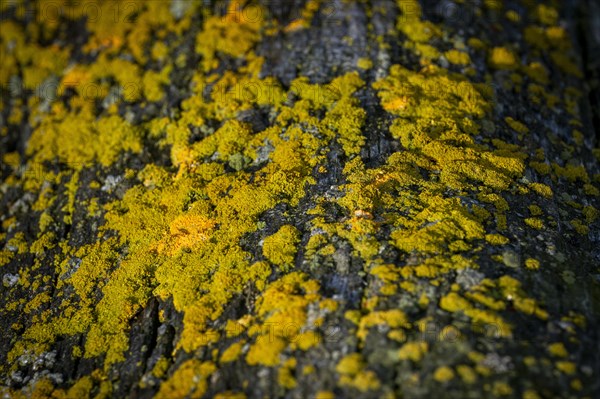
(300, 199)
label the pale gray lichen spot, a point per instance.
(111, 182)
(9, 280)
(511, 258)
(468, 278)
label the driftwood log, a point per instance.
(300, 199)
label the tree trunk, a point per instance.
(300, 199)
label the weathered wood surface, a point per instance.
(299, 199)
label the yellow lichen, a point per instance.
(557, 349)
(532, 264)
(542, 189)
(466, 373)
(364, 63)
(350, 364)
(516, 125)
(503, 58)
(566, 367)
(534, 223)
(413, 351)
(457, 57)
(443, 374)
(580, 227)
(454, 303)
(190, 380)
(285, 376)
(232, 352)
(281, 247)
(590, 213)
(194, 219)
(496, 239)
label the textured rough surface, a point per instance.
(299, 199)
